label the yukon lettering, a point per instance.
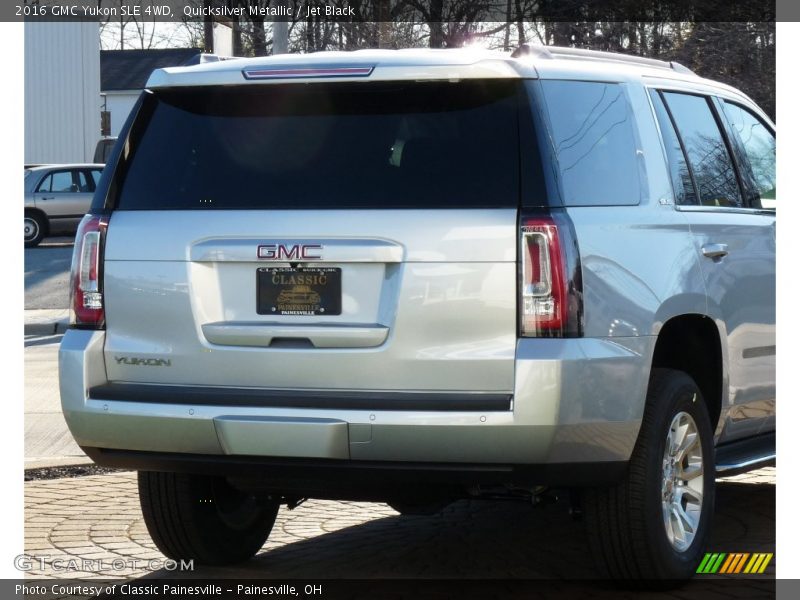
(143, 362)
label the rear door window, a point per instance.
(85, 182)
(96, 173)
(595, 142)
(707, 154)
(759, 147)
(44, 184)
(342, 145)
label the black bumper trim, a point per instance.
(360, 479)
(254, 397)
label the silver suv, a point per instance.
(418, 276)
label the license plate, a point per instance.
(299, 291)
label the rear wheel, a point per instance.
(655, 523)
(35, 227)
(204, 518)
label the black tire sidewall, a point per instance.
(182, 516)
(223, 539)
(679, 394)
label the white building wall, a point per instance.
(119, 104)
(223, 40)
(62, 91)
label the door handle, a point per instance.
(715, 250)
(47, 197)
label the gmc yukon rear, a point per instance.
(413, 277)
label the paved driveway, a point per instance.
(98, 517)
(47, 273)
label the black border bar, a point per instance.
(406, 11)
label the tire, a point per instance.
(35, 229)
(627, 523)
(203, 518)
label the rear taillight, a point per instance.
(87, 274)
(550, 287)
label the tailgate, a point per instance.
(336, 236)
(428, 307)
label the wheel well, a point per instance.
(690, 343)
(42, 217)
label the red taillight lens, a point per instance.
(550, 296)
(87, 277)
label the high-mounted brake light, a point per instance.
(299, 72)
(86, 303)
(550, 287)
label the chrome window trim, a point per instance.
(725, 209)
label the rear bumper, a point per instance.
(575, 403)
(360, 479)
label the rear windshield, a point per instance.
(342, 145)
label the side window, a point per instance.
(85, 182)
(595, 142)
(759, 146)
(678, 167)
(96, 177)
(62, 182)
(709, 160)
(44, 184)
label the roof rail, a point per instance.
(528, 50)
(551, 52)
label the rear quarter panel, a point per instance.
(640, 266)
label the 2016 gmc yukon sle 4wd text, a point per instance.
(417, 276)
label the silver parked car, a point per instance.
(417, 276)
(56, 198)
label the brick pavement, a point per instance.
(98, 518)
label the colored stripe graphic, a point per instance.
(703, 564)
(740, 564)
(759, 562)
(711, 562)
(732, 558)
(736, 562)
(767, 560)
(718, 563)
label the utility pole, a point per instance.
(208, 28)
(384, 24)
(280, 29)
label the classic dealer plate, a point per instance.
(299, 291)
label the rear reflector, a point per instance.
(550, 287)
(86, 285)
(288, 72)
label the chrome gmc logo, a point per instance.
(293, 252)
